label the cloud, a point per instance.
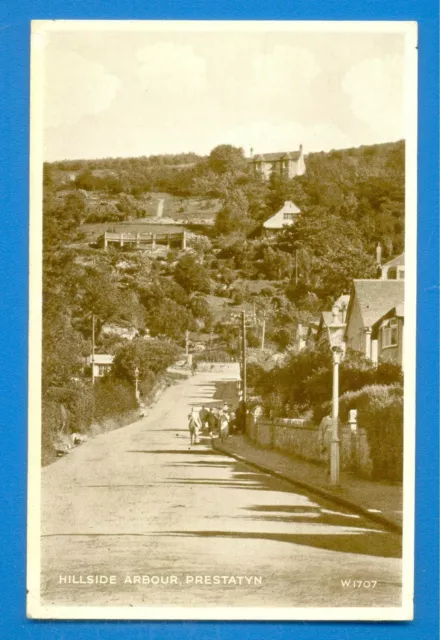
(284, 68)
(75, 87)
(375, 89)
(170, 68)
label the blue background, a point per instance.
(15, 16)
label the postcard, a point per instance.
(222, 320)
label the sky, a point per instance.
(118, 93)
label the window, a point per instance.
(288, 216)
(103, 369)
(389, 333)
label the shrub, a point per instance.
(113, 398)
(380, 414)
(255, 372)
(238, 297)
(213, 355)
(268, 292)
(148, 355)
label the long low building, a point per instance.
(138, 236)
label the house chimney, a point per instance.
(343, 310)
(379, 254)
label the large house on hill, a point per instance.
(285, 163)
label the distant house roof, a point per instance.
(376, 298)
(398, 261)
(274, 157)
(101, 358)
(278, 221)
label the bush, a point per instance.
(148, 355)
(78, 405)
(213, 355)
(380, 414)
(113, 398)
(237, 297)
(255, 373)
(268, 292)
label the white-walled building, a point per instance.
(102, 363)
(285, 217)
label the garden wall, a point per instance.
(295, 438)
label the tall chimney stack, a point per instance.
(252, 152)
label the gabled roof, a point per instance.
(398, 261)
(277, 221)
(376, 298)
(396, 312)
(273, 157)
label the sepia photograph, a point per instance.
(222, 332)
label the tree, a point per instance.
(147, 355)
(201, 310)
(167, 318)
(63, 347)
(234, 215)
(192, 275)
(276, 265)
(332, 253)
(227, 159)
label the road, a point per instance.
(139, 506)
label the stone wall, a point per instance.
(294, 437)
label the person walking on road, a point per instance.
(194, 425)
(212, 421)
(203, 415)
(224, 425)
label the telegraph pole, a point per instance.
(296, 266)
(93, 348)
(263, 332)
(186, 342)
(244, 364)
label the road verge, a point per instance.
(253, 457)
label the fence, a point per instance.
(295, 437)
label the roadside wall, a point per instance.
(293, 438)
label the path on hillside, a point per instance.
(160, 208)
(139, 501)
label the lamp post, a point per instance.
(136, 382)
(335, 330)
(335, 444)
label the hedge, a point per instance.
(380, 414)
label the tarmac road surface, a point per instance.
(137, 517)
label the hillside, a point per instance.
(349, 201)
